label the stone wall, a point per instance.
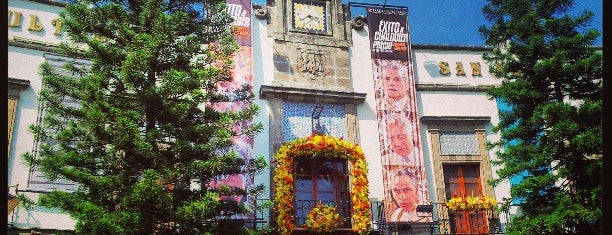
(315, 60)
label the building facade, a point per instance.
(313, 70)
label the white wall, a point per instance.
(363, 82)
(427, 70)
(24, 64)
(262, 75)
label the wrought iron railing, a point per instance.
(467, 222)
(303, 207)
(443, 221)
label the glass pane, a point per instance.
(324, 184)
(341, 184)
(326, 197)
(472, 190)
(470, 173)
(303, 195)
(302, 167)
(450, 174)
(452, 190)
(303, 184)
(324, 168)
(340, 168)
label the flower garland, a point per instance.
(327, 147)
(323, 219)
(470, 203)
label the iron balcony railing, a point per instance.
(442, 220)
(467, 222)
(303, 207)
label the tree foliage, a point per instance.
(143, 132)
(552, 79)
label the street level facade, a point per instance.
(419, 112)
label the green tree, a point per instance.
(552, 79)
(143, 131)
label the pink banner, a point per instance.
(242, 75)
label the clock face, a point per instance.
(309, 16)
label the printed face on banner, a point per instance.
(398, 138)
(401, 140)
(392, 84)
(404, 193)
(405, 185)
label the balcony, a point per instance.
(302, 207)
(444, 221)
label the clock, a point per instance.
(309, 15)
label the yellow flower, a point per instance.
(323, 218)
(469, 203)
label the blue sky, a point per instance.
(456, 22)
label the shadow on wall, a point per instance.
(432, 69)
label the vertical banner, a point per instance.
(242, 75)
(404, 178)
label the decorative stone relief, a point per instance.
(311, 63)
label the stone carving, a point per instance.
(311, 63)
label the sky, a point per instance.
(456, 22)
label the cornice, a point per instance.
(15, 86)
(34, 45)
(50, 2)
(452, 87)
(463, 119)
(451, 47)
(311, 95)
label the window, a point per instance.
(321, 180)
(14, 87)
(37, 180)
(459, 181)
(12, 110)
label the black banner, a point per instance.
(388, 33)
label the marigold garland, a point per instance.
(327, 147)
(470, 203)
(323, 219)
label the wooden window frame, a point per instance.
(340, 184)
(464, 222)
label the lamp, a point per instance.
(424, 208)
(316, 113)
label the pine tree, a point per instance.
(552, 80)
(142, 134)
